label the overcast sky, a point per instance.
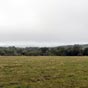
(44, 21)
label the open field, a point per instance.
(43, 72)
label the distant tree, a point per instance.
(69, 51)
(44, 51)
(2, 52)
(77, 50)
(85, 52)
(60, 51)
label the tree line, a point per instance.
(74, 50)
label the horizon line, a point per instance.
(37, 43)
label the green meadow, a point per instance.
(43, 72)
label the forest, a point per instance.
(72, 50)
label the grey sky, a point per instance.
(52, 21)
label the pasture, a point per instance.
(43, 72)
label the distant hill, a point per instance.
(82, 45)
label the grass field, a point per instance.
(43, 72)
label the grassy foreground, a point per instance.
(43, 72)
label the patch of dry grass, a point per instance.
(43, 72)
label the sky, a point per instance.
(43, 22)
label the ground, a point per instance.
(43, 72)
